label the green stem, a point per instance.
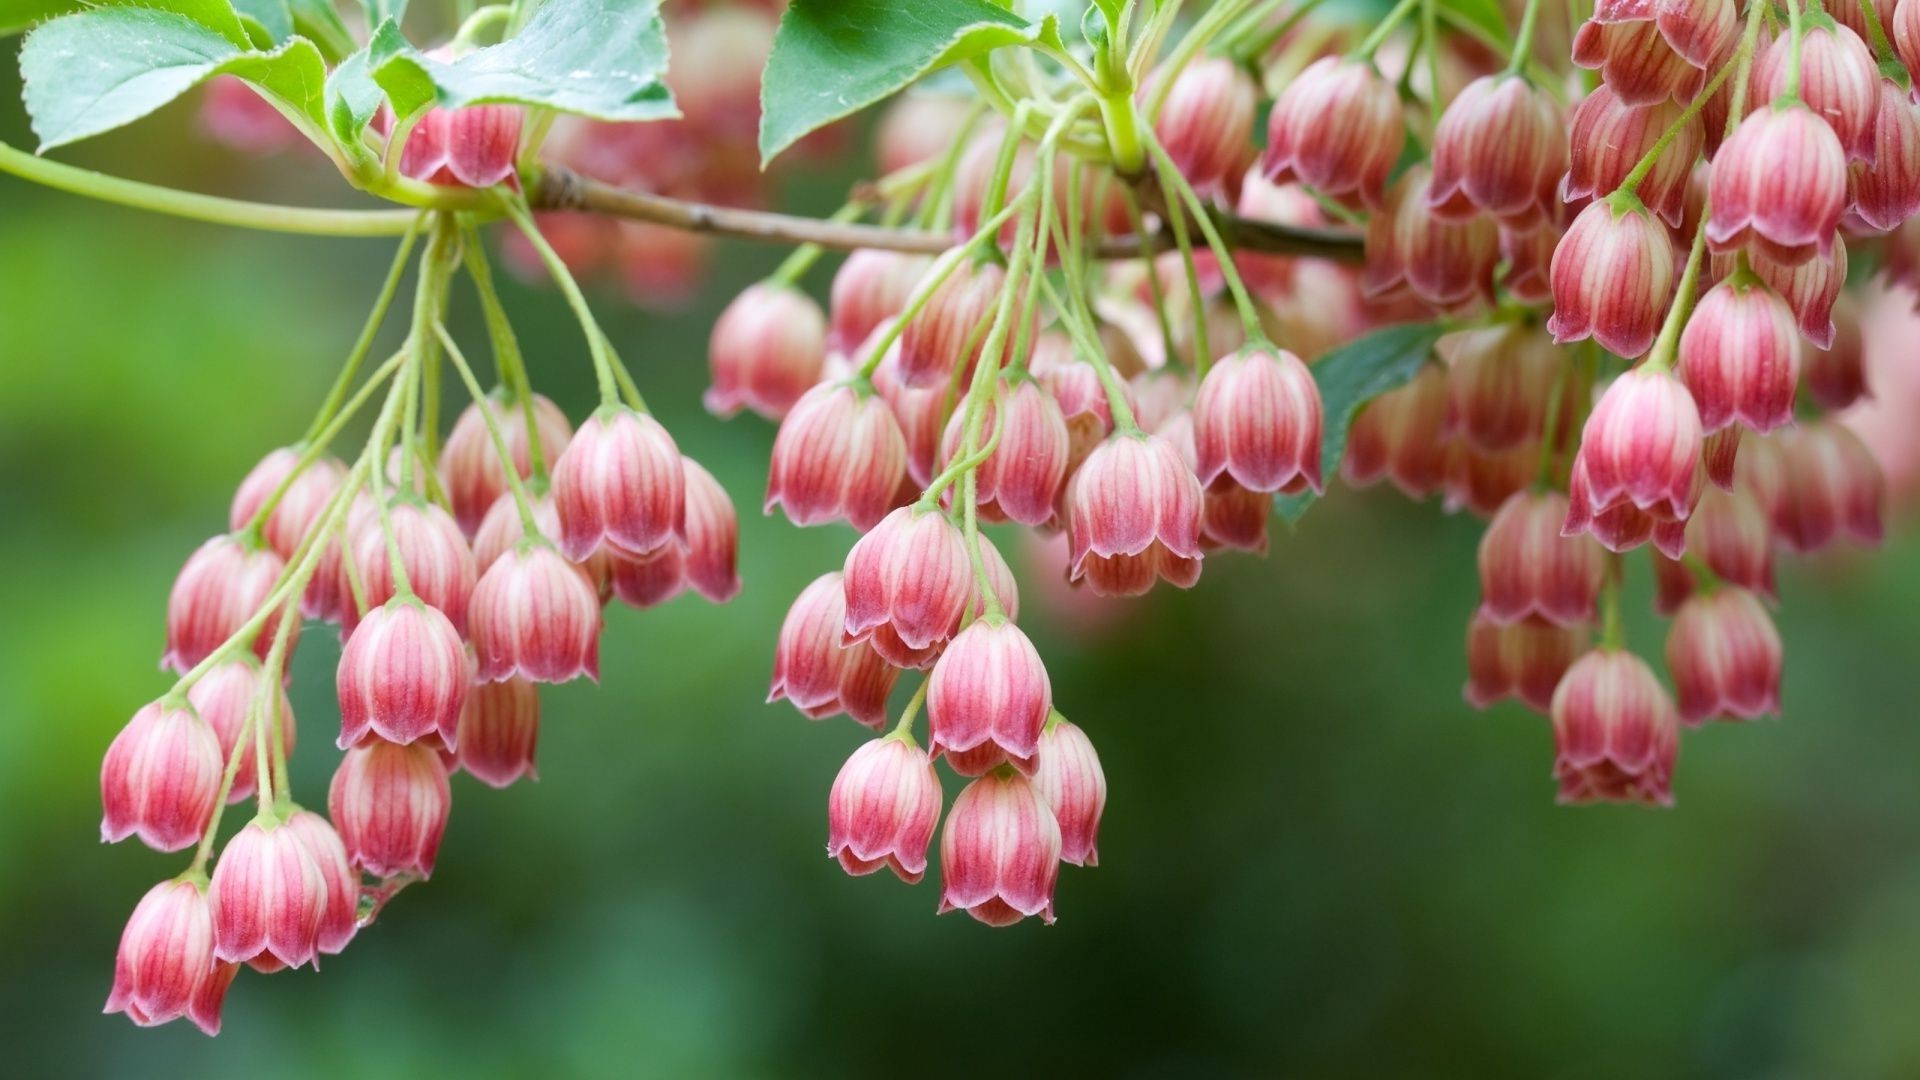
(1430, 47)
(803, 257)
(480, 22)
(1242, 299)
(316, 447)
(241, 746)
(506, 354)
(1089, 346)
(1631, 183)
(1791, 92)
(1217, 18)
(1876, 33)
(364, 343)
(1386, 26)
(1249, 45)
(269, 701)
(936, 275)
(1523, 41)
(557, 267)
(1154, 289)
(904, 729)
(1660, 357)
(529, 526)
(996, 194)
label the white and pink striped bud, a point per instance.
(817, 671)
(223, 583)
(1069, 778)
(1020, 480)
(307, 495)
(1740, 356)
(1887, 192)
(921, 413)
(987, 699)
(403, 676)
(1904, 28)
(268, 897)
(1811, 289)
(433, 551)
(1720, 455)
(160, 778)
(1337, 127)
(537, 616)
(1838, 81)
(1731, 533)
(839, 454)
(949, 332)
(1257, 418)
(1075, 385)
(225, 698)
(708, 562)
(869, 288)
(340, 912)
(1500, 382)
(768, 348)
(390, 804)
(1615, 732)
(1832, 486)
(1446, 263)
(883, 808)
(1725, 657)
(499, 731)
(1523, 660)
(1640, 448)
(1400, 435)
(1649, 51)
(1528, 570)
(1613, 277)
(1836, 376)
(165, 967)
(470, 468)
(1609, 137)
(1528, 277)
(620, 484)
(908, 583)
(1500, 150)
(1134, 512)
(1481, 481)
(1000, 852)
(1778, 186)
(470, 147)
(1206, 123)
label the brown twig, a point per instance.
(560, 188)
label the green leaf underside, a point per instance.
(93, 71)
(1353, 375)
(599, 58)
(216, 15)
(352, 98)
(832, 58)
(274, 16)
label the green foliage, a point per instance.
(93, 71)
(273, 17)
(832, 58)
(1353, 375)
(379, 11)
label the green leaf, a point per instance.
(598, 58)
(379, 11)
(217, 15)
(274, 16)
(1353, 375)
(1485, 14)
(352, 98)
(96, 70)
(832, 58)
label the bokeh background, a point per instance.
(1316, 859)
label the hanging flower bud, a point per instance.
(1528, 570)
(1070, 781)
(1481, 481)
(391, 804)
(160, 778)
(1731, 533)
(1134, 516)
(470, 468)
(1524, 660)
(1501, 382)
(1672, 584)
(1831, 486)
(1000, 852)
(870, 288)
(471, 147)
(498, 731)
(882, 810)
(1447, 263)
(298, 510)
(1854, 18)
(1640, 448)
(910, 576)
(1500, 150)
(224, 698)
(921, 412)
(1613, 276)
(1075, 386)
(1725, 657)
(1528, 277)
(1162, 394)
(438, 562)
(1646, 52)
(1257, 418)
(1336, 127)
(403, 676)
(948, 332)
(165, 967)
(340, 911)
(1719, 455)
(1020, 480)
(621, 484)
(1778, 186)
(268, 897)
(1740, 356)
(1838, 81)
(1904, 27)
(987, 699)
(502, 530)
(817, 672)
(713, 535)
(1762, 470)
(223, 583)
(839, 454)
(1886, 192)
(535, 615)
(1615, 733)
(1836, 377)
(1206, 123)
(1609, 137)
(1400, 435)
(767, 349)
(1810, 289)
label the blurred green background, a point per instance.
(1316, 859)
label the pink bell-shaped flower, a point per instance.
(883, 808)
